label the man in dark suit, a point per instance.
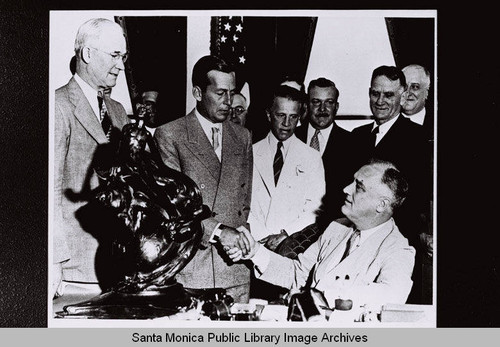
(217, 155)
(394, 138)
(83, 124)
(322, 133)
(416, 107)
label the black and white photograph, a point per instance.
(242, 168)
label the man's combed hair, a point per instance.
(206, 64)
(287, 93)
(91, 31)
(427, 74)
(322, 83)
(395, 180)
(391, 72)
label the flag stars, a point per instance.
(239, 28)
(242, 59)
(223, 38)
(235, 38)
(227, 26)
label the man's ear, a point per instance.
(336, 108)
(384, 205)
(85, 54)
(404, 96)
(268, 115)
(197, 93)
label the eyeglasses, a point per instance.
(238, 110)
(115, 56)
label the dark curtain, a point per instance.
(157, 62)
(413, 42)
(274, 47)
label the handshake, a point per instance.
(239, 243)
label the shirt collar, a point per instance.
(417, 117)
(89, 92)
(207, 125)
(273, 143)
(365, 234)
(383, 128)
(324, 132)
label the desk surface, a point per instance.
(400, 315)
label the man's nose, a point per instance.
(380, 99)
(120, 64)
(322, 106)
(348, 188)
(227, 99)
(286, 121)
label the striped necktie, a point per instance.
(278, 162)
(215, 138)
(315, 140)
(103, 113)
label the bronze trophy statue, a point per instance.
(160, 210)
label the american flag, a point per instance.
(227, 40)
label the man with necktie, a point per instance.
(217, 155)
(397, 139)
(369, 262)
(417, 108)
(288, 179)
(333, 142)
(85, 120)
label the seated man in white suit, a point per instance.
(369, 263)
(288, 176)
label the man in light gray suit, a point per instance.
(369, 262)
(83, 125)
(217, 154)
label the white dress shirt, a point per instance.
(323, 136)
(273, 145)
(90, 93)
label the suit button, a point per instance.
(214, 214)
(239, 213)
(202, 186)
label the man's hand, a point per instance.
(272, 241)
(231, 238)
(235, 254)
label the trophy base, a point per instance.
(146, 304)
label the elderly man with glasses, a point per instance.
(87, 122)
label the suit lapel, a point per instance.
(114, 113)
(366, 252)
(393, 132)
(200, 146)
(263, 162)
(84, 113)
(290, 166)
(231, 148)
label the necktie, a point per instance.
(215, 138)
(350, 244)
(315, 141)
(103, 113)
(374, 136)
(278, 162)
